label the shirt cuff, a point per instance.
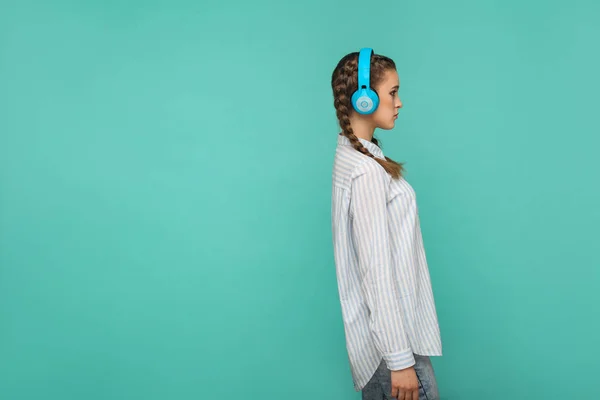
(399, 360)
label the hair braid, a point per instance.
(344, 82)
(341, 101)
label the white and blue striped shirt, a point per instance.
(383, 279)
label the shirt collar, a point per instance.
(372, 147)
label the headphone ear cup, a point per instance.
(365, 101)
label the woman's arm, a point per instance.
(368, 207)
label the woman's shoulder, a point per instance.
(370, 167)
(350, 164)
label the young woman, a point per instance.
(387, 303)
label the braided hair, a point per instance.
(344, 81)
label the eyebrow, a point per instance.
(396, 87)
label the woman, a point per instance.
(388, 309)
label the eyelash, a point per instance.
(393, 93)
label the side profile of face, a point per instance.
(389, 101)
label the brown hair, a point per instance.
(344, 82)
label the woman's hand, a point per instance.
(405, 385)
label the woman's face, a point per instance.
(389, 102)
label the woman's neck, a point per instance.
(362, 128)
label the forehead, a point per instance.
(390, 79)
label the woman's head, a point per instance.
(384, 81)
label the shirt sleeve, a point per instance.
(368, 208)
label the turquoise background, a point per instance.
(165, 179)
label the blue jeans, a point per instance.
(380, 385)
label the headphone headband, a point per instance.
(364, 68)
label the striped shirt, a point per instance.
(384, 287)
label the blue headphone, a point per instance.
(365, 100)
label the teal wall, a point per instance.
(165, 188)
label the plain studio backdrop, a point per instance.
(165, 189)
